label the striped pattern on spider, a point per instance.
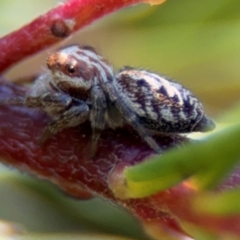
(81, 85)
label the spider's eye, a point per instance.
(71, 68)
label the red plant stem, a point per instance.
(50, 28)
(65, 158)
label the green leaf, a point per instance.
(222, 204)
(207, 162)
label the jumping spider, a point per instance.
(81, 85)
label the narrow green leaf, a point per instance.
(223, 204)
(207, 162)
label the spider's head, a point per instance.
(71, 70)
(75, 69)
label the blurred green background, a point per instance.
(195, 42)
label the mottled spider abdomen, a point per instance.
(161, 105)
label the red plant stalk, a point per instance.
(64, 159)
(53, 26)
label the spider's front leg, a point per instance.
(65, 112)
(73, 116)
(97, 116)
(50, 102)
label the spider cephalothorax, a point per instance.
(81, 85)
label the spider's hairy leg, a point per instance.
(130, 117)
(72, 117)
(97, 116)
(23, 101)
(54, 103)
(54, 100)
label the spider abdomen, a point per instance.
(160, 104)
